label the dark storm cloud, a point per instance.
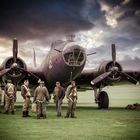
(35, 18)
(127, 16)
(37, 23)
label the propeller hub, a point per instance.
(14, 65)
(114, 69)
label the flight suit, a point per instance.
(41, 96)
(0, 98)
(71, 95)
(10, 96)
(59, 95)
(25, 92)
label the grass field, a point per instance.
(91, 124)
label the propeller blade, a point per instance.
(15, 49)
(114, 54)
(28, 73)
(34, 54)
(100, 78)
(129, 78)
(3, 72)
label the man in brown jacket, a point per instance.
(41, 96)
(0, 98)
(10, 97)
(59, 95)
(71, 94)
(25, 92)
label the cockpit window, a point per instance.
(74, 57)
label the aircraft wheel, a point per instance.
(103, 100)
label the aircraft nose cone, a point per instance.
(74, 55)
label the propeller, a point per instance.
(28, 73)
(14, 67)
(112, 71)
(34, 54)
(100, 78)
(129, 78)
(3, 72)
(15, 50)
(113, 54)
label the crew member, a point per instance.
(59, 95)
(41, 96)
(10, 97)
(71, 95)
(25, 92)
(0, 98)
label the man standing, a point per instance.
(59, 95)
(10, 97)
(71, 94)
(25, 92)
(0, 98)
(41, 96)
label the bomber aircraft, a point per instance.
(65, 62)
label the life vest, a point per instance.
(73, 92)
(10, 89)
(28, 94)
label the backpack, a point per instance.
(10, 89)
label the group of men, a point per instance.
(40, 98)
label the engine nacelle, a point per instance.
(14, 73)
(109, 66)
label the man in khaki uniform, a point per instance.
(71, 94)
(0, 98)
(25, 92)
(59, 95)
(41, 96)
(10, 97)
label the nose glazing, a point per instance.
(74, 56)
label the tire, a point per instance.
(103, 100)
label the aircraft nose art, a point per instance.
(74, 55)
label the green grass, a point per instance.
(90, 124)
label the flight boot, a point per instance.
(73, 115)
(27, 114)
(13, 112)
(24, 114)
(67, 115)
(38, 116)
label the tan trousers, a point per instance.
(26, 104)
(71, 107)
(9, 104)
(58, 106)
(41, 108)
(0, 100)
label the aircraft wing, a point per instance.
(107, 73)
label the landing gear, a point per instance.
(101, 97)
(103, 100)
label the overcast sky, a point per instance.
(96, 23)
